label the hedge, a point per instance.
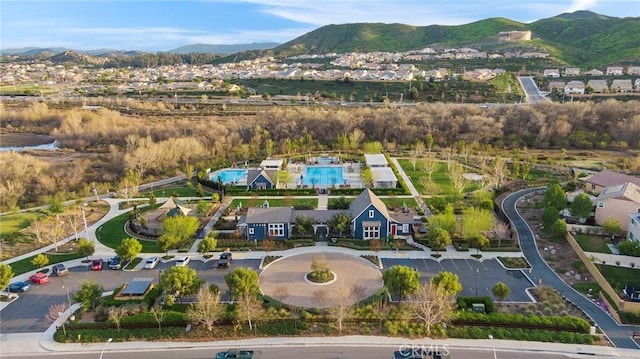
(629, 317)
(537, 335)
(567, 323)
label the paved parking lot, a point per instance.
(27, 313)
(486, 274)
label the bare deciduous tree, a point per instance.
(429, 165)
(456, 175)
(55, 314)
(431, 305)
(158, 315)
(250, 307)
(116, 314)
(281, 293)
(321, 297)
(500, 231)
(207, 308)
(358, 292)
(341, 305)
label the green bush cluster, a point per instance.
(567, 323)
(170, 318)
(537, 335)
(629, 317)
(236, 244)
(629, 248)
(404, 328)
(279, 328)
(99, 335)
(465, 303)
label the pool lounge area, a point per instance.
(232, 176)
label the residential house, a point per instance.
(617, 202)
(637, 84)
(574, 87)
(598, 86)
(262, 179)
(634, 227)
(594, 72)
(551, 73)
(620, 85)
(605, 178)
(556, 86)
(615, 70)
(572, 71)
(272, 164)
(633, 70)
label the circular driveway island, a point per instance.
(289, 272)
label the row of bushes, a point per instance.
(629, 317)
(566, 323)
(536, 335)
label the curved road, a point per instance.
(620, 335)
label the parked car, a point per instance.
(19, 287)
(39, 278)
(151, 263)
(96, 264)
(59, 270)
(225, 259)
(115, 263)
(182, 261)
(237, 354)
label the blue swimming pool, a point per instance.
(229, 176)
(323, 176)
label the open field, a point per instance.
(619, 277)
(11, 224)
(592, 243)
(311, 202)
(112, 233)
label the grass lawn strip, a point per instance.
(112, 233)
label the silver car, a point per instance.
(151, 263)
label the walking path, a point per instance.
(212, 222)
(619, 335)
(412, 188)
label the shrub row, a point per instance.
(170, 318)
(519, 334)
(629, 317)
(100, 335)
(567, 323)
(465, 303)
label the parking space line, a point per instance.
(469, 264)
(454, 265)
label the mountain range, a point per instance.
(581, 38)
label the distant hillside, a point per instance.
(222, 49)
(25, 51)
(577, 38)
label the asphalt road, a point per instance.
(293, 352)
(530, 87)
(472, 274)
(620, 335)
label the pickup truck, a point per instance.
(238, 354)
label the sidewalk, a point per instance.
(614, 259)
(41, 343)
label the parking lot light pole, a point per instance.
(68, 296)
(477, 280)
(105, 346)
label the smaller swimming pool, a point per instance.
(230, 176)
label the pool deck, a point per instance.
(350, 173)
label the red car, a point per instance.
(39, 278)
(96, 264)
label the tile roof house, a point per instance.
(551, 73)
(633, 70)
(574, 87)
(605, 178)
(598, 86)
(621, 85)
(617, 201)
(370, 220)
(556, 86)
(572, 71)
(594, 72)
(615, 70)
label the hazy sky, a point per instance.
(163, 25)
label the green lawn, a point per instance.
(14, 223)
(440, 176)
(112, 233)
(619, 277)
(24, 265)
(393, 202)
(591, 243)
(276, 202)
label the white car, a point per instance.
(151, 263)
(182, 261)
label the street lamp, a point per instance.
(105, 346)
(477, 281)
(68, 296)
(494, 346)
